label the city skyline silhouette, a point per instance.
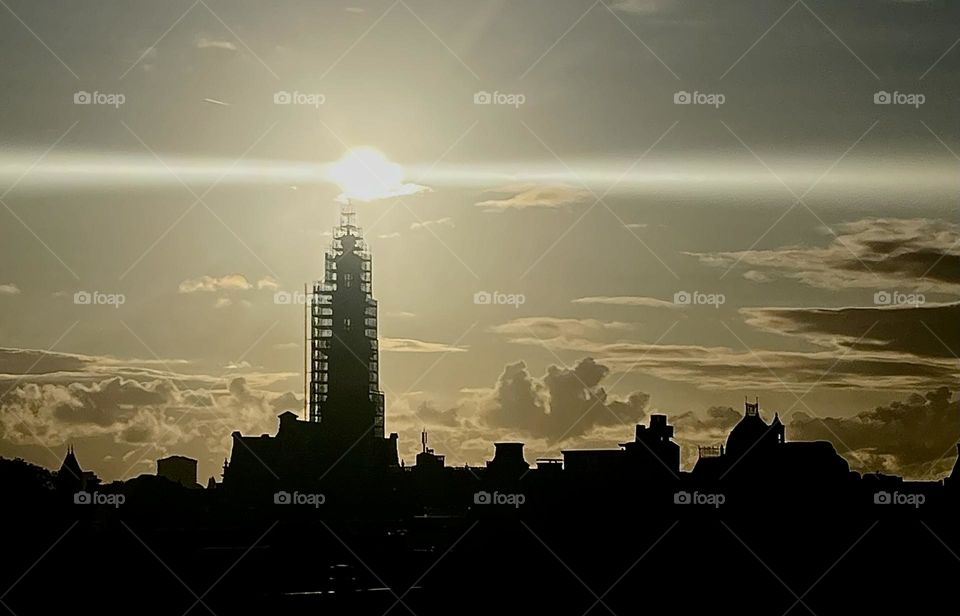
(444, 307)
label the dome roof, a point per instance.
(748, 433)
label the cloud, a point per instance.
(922, 331)
(223, 302)
(916, 437)
(535, 196)
(409, 345)
(387, 236)
(626, 300)
(128, 410)
(564, 403)
(400, 314)
(553, 328)
(9, 289)
(832, 363)
(268, 283)
(208, 43)
(755, 276)
(427, 224)
(15, 363)
(210, 284)
(642, 7)
(875, 253)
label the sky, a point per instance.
(671, 204)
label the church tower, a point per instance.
(344, 387)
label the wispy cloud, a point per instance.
(204, 42)
(410, 345)
(440, 222)
(876, 253)
(210, 284)
(534, 196)
(626, 300)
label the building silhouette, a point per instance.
(757, 450)
(652, 455)
(71, 478)
(178, 469)
(344, 407)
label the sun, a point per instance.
(366, 174)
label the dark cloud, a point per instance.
(924, 331)
(916, 437)
(874, 253)
(565, 403)
(829, 365)
(432, 416)
(30, 361)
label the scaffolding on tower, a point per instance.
(319, 316)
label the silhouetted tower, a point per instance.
(344, 382)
